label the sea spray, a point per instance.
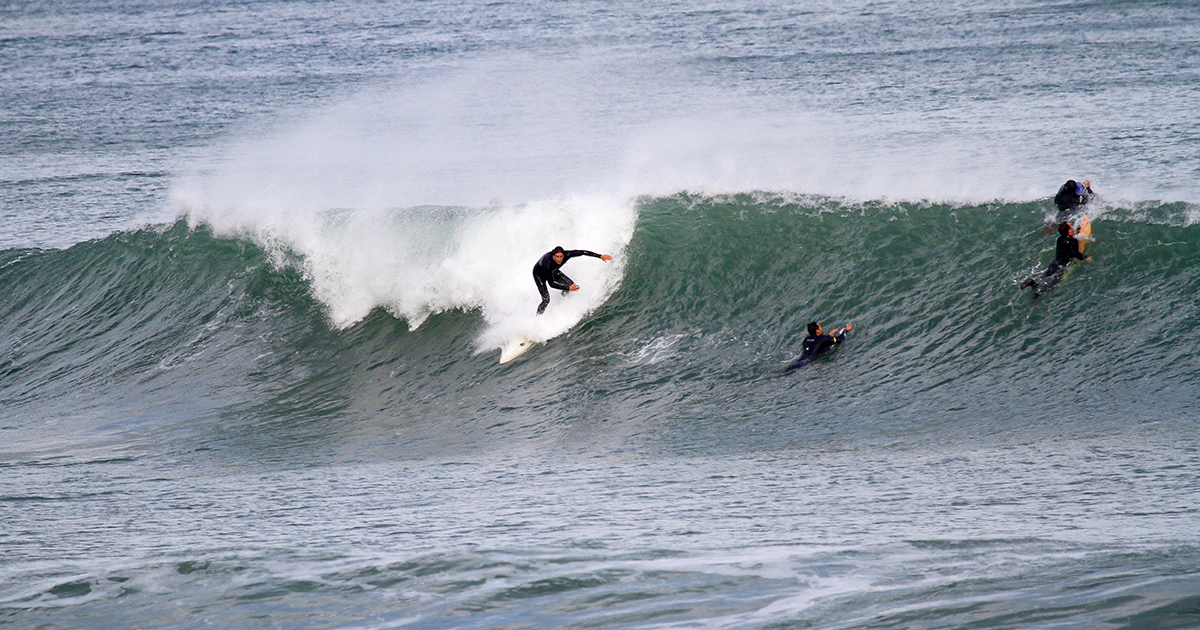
(715, 290)
(415, 262)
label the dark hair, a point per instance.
(1064, 228)
(1070, 186)
(812, 328)
(557, 250)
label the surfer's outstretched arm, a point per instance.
(560, 281)
(583, 252)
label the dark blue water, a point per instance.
(258, 260)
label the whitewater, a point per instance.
(258, 260)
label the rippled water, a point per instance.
(255, 284)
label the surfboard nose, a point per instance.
(514, 348)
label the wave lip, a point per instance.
(417, 262)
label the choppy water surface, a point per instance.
(255, 286)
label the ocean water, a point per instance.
(257, 261)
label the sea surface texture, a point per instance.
(257, 261)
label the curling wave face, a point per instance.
(390, 319)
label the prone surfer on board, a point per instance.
(1066, 249)
(547, 271)
(817, 343)
(1070, 197)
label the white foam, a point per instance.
(382, 197)
(416, 262)
(383, 193)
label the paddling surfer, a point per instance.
(1066, 249)
(1070, 197)
(817, 343)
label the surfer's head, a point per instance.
(1070, 185)
(558, 254)
(1065, 229)
(814, 328)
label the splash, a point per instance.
(381, 195)
(416, 262)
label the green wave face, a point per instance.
(175, 327)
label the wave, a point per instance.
(378, 328)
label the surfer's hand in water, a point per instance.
(1087, 259)
(573, 287)
(605, 257)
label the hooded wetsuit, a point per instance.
(546, 271)
(1069, 197)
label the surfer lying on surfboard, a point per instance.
(1066, 249)
(817, 342)
(547, 271)
(1071, 198)
(1069, 203)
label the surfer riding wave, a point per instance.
(548, 270)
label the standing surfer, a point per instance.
(817, 342)
(548, 271)
(1066, 249)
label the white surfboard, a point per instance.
(514, 348)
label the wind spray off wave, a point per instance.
(415, 262)
(374, 198)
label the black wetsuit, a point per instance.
(546, 271)
(1070, 197)
(814, 346)
(1065, 250)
